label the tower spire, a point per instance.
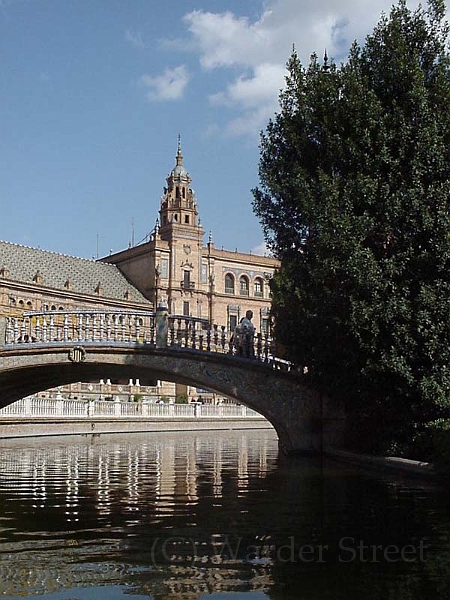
(178, 209)
(326, 66)
(179, 154)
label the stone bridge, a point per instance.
(54, 348)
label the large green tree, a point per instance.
(354, 199)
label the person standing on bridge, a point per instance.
(246, 335)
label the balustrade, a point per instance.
(60, 408)
(81, 327)
(119, 327)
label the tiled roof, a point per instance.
(83, 275)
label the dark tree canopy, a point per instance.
(354, 200)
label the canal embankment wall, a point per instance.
(13, 427)
(33, 416)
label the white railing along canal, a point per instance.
(61, 408)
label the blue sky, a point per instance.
(93, 94)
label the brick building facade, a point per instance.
(175, 267)
(192, 278)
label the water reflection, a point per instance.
(195, 515)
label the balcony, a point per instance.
(187, 285)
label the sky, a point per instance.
(94, 93)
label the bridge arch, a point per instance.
(295, 410)
(53, 348)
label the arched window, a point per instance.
(229, 284)
(243, 285)
(259, 290)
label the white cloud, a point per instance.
(256, 90)
(255, 98)
(168, 86)
(253, 53)
(221, 38)
(44, 77)
(261, 250)
(135, 38)
(260, 49)
(211, 130)
(249, 123)
(6, 3)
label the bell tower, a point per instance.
(178, 211)
(179, 244)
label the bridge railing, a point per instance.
(137, 327)
(105, 326)
(188, 332)
(81, 326)
(33, 406)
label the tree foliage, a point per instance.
(354, 200)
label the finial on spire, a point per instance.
(179, 155)
(326, 66)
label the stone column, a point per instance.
(162, 326)
(28, 411)
(2, 331)
(90, 408)
(59, 404)
(145, 408)
(117, 407)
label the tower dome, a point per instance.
(179, 171)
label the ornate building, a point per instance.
(174, 267)
(192, 278)
(38, 280)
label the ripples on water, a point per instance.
(212, 515)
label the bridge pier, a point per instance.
(306, 439)
(306, 422)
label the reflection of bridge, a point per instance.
(43, 350)
(87, 491)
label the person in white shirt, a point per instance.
(245, 333)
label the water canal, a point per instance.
(213, 515)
